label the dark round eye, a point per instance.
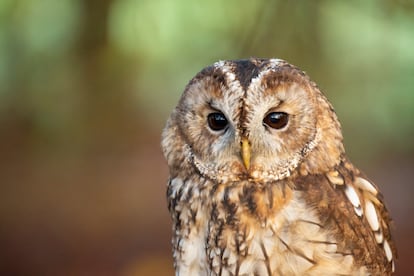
(276, 120)
(217, 121)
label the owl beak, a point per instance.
(245, 152)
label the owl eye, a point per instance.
(217, 121)
(276, 120)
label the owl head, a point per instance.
(256, 119)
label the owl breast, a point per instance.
(248, 229)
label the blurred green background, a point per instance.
(86, 86)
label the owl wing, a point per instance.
(352, 206)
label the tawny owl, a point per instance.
(260, 183)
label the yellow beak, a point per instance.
(245, 152)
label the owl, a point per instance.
(260, 183)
